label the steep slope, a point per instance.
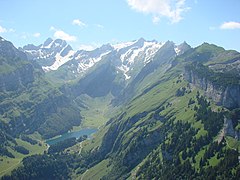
(81, 62)
(171, 130)
(98, 83)
(123, 69)
(131, 57)
(216, 72)
(31, 108)
(29, 103)
(159, 64)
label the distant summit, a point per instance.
(51, 52)
(126, 56)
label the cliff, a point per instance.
(223, 90)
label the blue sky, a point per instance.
(91, 23)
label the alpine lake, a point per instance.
(86, 131)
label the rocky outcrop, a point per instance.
(225, 95)
(228, 127)
(228, 130)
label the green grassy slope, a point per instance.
(7, 164)
(159, 117)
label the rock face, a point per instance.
(228, 127)
(227, 96)
(231, 97)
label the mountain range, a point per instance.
(55, 55)
(164, 111)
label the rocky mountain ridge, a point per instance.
(51, 53)
(128, 57)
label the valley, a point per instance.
(157, 110)
(97, 111)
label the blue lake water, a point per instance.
(76, 134)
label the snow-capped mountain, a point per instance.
(134, 54)
(83, 60)
(51, 54)
(128, 57)
(125, 56)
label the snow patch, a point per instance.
(151, 50)
(48, 46)
(123, 45)
(177, 50)
(127, 77)
(124, 70)
(59, 61)
(135, 54)
(86, 62)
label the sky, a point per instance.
(87, 24)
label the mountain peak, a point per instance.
(51, 52)
(47, 42)
(183, 47)
(106, 47)
(60, 41)
(139, 42)
(9, 51)
(209, 47)
(50, 43)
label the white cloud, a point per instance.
(171, 9)
(78, 23)
(52, 28)
(156, 19)
(230, 25)
(36, 35)
(100, 26)
(11, 30)
(59, 34)
(2, 29)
